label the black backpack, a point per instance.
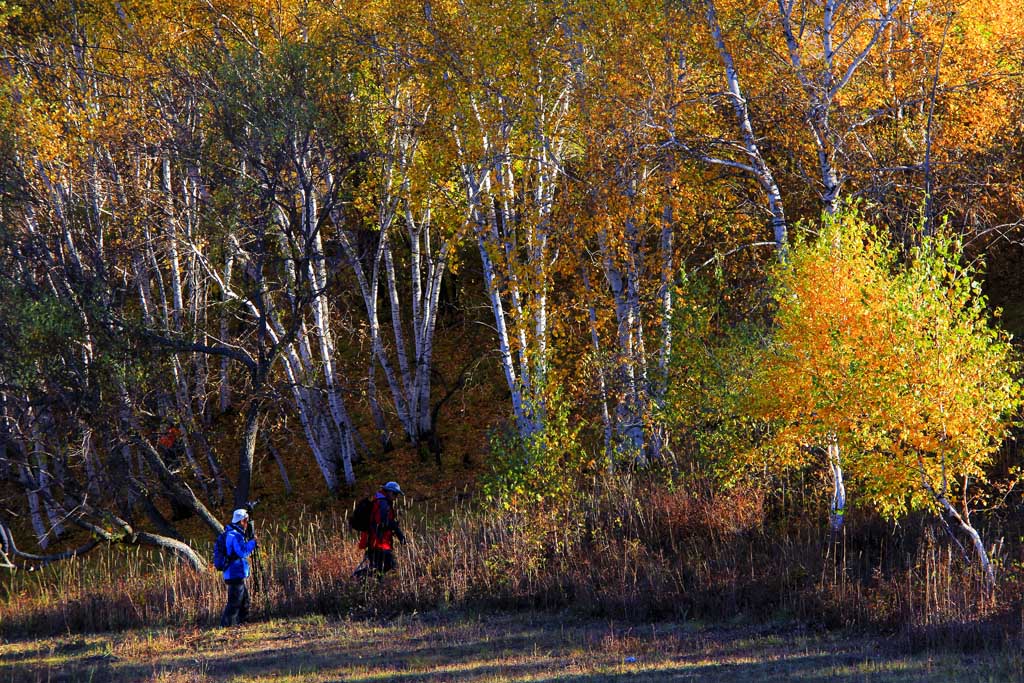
(360, 518)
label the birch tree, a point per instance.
(897, 369)
(636, 219)
(412, 220)
(61, 243)
(848, 34)
(288, 151)
(509, 110)
(752, 160)
(51, 389)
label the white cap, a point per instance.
(239, 515)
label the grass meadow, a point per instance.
(460, 647)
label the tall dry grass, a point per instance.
(629, 548)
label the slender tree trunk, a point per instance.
(224, 396)
(838, 509)
(280, 466)
(321, 314)
(369, 287)
(35, 509)
(94, 483)
(182, 493)
(628, 421)
(979, 547)
(248, 451)
(761, 170)
(401, 350)
(328, 430)
(378, 415)
(182, 550)
(962, 521)
(43, 476)
(307, 410)
(524, 420)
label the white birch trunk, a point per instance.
(177, 315)
(43, 477)
(665, 299)
(317, 273)
(485, 243)
(838, 507)
(512, 237)
(369, 288)
(311, 419)
(326, 444)
(94, 479)
(963, 521)
(658, 436)
(35, 510)
(822, 88)
(401, 351)
(628, 418)
(378, 415)
(224, 394)
(326, 447)
(426, 322)
(756, 162)
(979, 547)
(523, 419)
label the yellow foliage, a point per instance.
(896, 359)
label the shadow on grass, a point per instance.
(501, 650)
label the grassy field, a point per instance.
(458, 648)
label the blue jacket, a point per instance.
(237, 546)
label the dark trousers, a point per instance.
(380, 562)
(237, 609)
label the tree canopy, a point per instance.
(331, 218)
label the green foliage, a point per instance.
(264, 97)
(543, 467)
(36, 331)
(713, 357)
(68, 344)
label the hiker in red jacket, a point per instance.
(378, 541)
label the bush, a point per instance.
(543, 467)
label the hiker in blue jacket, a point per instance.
(239, 546)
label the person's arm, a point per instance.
(238, 547)
(248, 547)
(391, 524)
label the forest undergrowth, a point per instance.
(635, 548)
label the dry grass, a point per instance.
(457, 647)
(629, 550)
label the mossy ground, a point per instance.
(458, 647)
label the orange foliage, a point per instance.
(898, 361)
